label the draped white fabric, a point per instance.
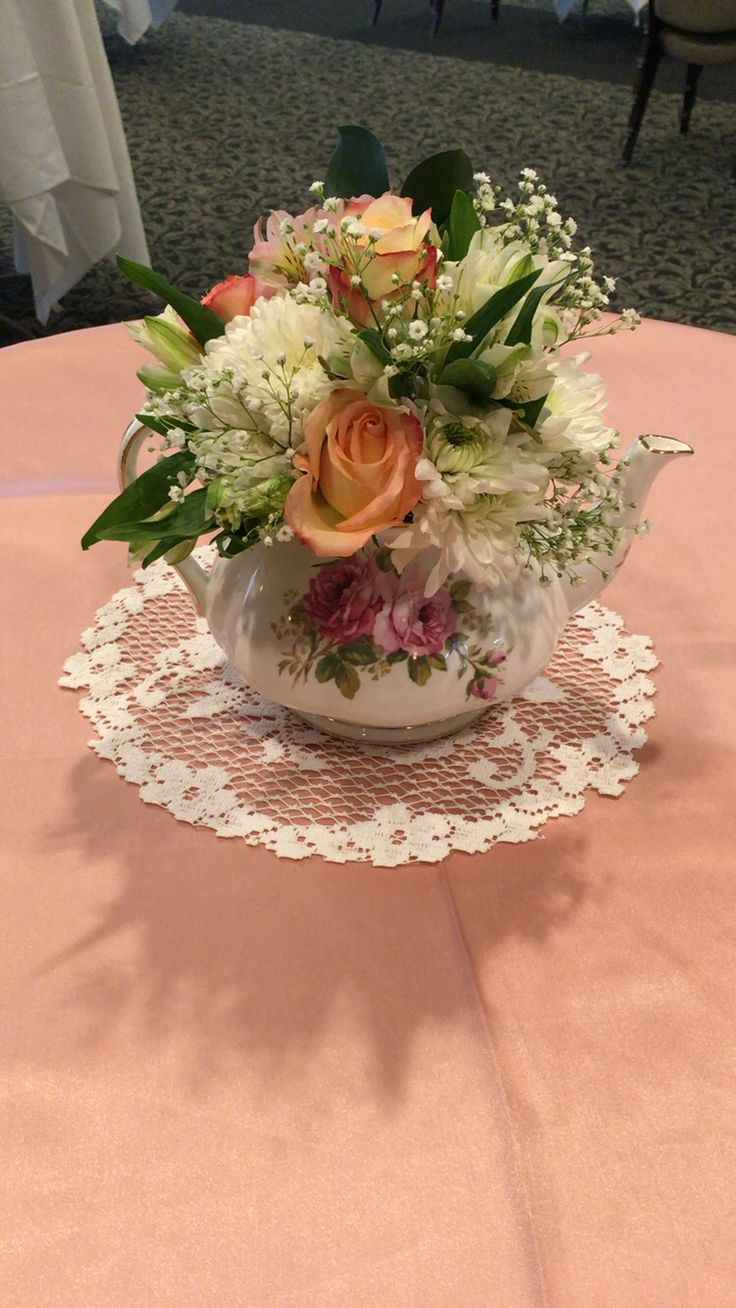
(64, 165)
(136, 16)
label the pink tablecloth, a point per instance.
(231, 1081)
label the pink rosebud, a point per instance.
(485, 688)
(235, 296)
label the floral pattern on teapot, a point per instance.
(360, 618)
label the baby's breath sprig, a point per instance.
(533, 218)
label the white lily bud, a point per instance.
(169, 342)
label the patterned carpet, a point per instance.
(225, 119)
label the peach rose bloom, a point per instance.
(235, 296)
(359, 462)
(402, 247)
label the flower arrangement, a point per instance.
(385, 376)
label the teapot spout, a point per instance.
(643, 461)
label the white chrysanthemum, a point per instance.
(468, 457)
(264, 371)
(573, 413)
(480, 542)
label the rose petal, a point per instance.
(232, 297)
(313, 523)
(388, 211)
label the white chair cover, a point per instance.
(136, 16)
(64, 164)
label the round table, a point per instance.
(507, 1080)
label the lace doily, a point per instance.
(177, 722)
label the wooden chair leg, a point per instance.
(439, 9)
(494, 10)
(377, 7)
(691, 90)
(645, 81)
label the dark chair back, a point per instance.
(705, 17)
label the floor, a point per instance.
(231, 106)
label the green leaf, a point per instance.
(402, 384)
(397, 656)
(180, 544)
(462, 225)
(438, 661)
(327, 667)
(358, 166)
(228, 545)
(347, 680)
(433, 183)
(420, 670)
(533, 409)
(489, 314)
(521, 330)
(358, 652)
(476, 379)
(144, 496)
(201, 321)
(460, 589)
(163, 425)
(188, 518)
(370, 337)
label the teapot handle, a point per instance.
(194, 577)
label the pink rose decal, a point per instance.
(485, 688)
(344, 598)
(411, 621)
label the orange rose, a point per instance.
(402, 248)
(359, 461)
(235, 295)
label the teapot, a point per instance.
(357, 649)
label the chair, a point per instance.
(699, 33)
(439, 8)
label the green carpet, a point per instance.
(225, 118)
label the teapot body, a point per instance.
(359, 650)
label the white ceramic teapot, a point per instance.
(357, 650)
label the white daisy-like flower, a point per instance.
(480, 542)
(572, 419)
(265, 357)
(468, 457)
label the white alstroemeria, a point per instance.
(572, 419)
(522, 374)
(168, 339)
(551, 327)
(490, 265)
(269, 364)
